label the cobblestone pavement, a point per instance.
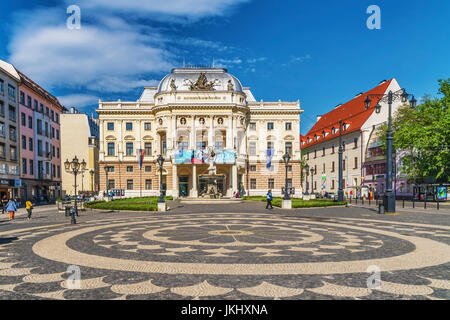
(226, 252)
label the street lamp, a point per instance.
(286, 158)
(340, 187)
(312, 186)
(160, 161)
(107, 169)
(306, 179)
(92, 180)
(74, 167)
(402, 95)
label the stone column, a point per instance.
(234, 178)
(120, 142)
(229, 139)
(194, 192)
(211, 132)
(101, 142)
(192, 141)
(174, 181)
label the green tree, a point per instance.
(423, 136)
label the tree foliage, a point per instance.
(422, 136)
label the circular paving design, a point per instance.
(237, 256)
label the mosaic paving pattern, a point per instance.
(226, 256)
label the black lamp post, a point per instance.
(306, 179)
(389, 197)
(92, 180)
(340, 178)
(74, 167)
(286, 158)
(312, 186)
(107, 169)
(160, 162)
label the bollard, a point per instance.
(381, 208)
(67, 211)
(413, 203)
(362, 200)
(437, 204)
(425, 203)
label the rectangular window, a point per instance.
(41, 108)
(315, 185)
(52, 115)
(12, 113)
(28, 101)
(148, 184)
(35, 104)
(252, 148)
(31, 167)
(130, 184)
(30, 122)
(24, 166)
(315, 169)
(252, 168)
(289, 168)
(288, 147)
(269, 145)
(111, 184)
(2, 109)
(343, 146)
(269, 126)
(24, 142)
(30, 144)
(12, 92)
(23, 119)
(147, 126)
(2, 129)
(57, 153)
(13, 153)
(323, 168)
(164, 147)
(2, 150)
(356, 163)
(252, 126)
(315, 154)
(332, 184)
(57, 134)
(46, 129)
(323, 152)
(111, 149)
(2, 88)
(39, 126)
(288, 126)
(46, 111)
(129, 148)
(56, 117)
(355, 143)
(22, 98)
(129, 168)
(148, 169)
(289, 182)
(59, 171)
(129, 126)
(252, 183)
(110, 125)
(307, 155)
(343, 164)
(271, 183)
(332, 149)
(12, 133)
(332, 166)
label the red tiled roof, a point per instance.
(39, 90)
(352, 112)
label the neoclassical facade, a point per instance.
(197, 118)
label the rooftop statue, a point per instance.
(201, 83)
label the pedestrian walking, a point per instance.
(4, 202)
(11, 208)
(269, 199)
(29, 207)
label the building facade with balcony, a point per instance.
(364, 164)
(79, 137)
(40, 142)
(9, 127)
(195, 117)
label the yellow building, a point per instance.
(207, 126)
(79, 137)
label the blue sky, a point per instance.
(320, 52)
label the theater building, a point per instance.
(207, 126)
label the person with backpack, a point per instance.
(29, 207)
(11, 208)
(269, 199)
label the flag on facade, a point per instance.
(141, 154)
(269, 154)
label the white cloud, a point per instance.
(78, 100)
(183, 8)
(255, 60)
(112, 56)
(224, 63)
